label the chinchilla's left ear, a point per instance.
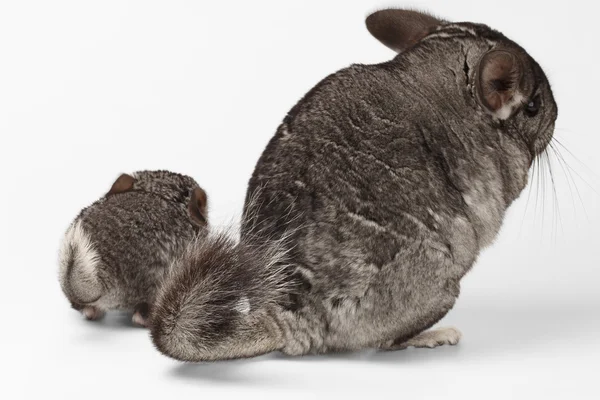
(400, 29)
(124, 183)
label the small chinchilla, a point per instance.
(118, 250)
(370, 203)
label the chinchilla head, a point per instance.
(116, 251)
(180, 189)
(496, 81)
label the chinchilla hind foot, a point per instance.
(429, 339)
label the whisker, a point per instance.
(560, 163)
(575, 157)
(569, 175)
(589, 170)
(572, 170)
(529, 190)
(544, 173)
(556, 216)
(537, 189)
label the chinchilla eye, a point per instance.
(533, 107)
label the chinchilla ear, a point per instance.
(400, 29)
(123, 183)
(498, 82)
(197, 207)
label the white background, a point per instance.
(92, 89)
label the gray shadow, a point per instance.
(488, 332)
(112, 321)
(108, 328)
(231, 372)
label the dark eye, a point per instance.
(532, 108)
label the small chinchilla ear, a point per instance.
(197, 207)
(400, 29)
(123, 183)
(498, 81)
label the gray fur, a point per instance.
(215, 287)
(391, 178)
(116, 252)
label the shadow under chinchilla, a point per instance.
(508, 331)
(112, 321)
(280, 371)
(228, 372)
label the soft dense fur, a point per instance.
(381, 185)
(117, 251)
(217, 286)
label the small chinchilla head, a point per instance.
(181, 189)
(117, 250)
(501, 80)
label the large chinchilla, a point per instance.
(370, 203)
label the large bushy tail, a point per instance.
(219, 298)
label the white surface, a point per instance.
(92, 89)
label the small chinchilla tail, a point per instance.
(220, 300)
(79, 267)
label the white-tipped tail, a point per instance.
(216, 301)
(78, 266)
